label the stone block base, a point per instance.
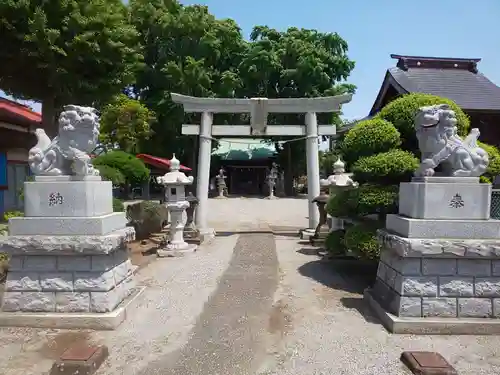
(418, 281)
(52, 320)
(68, 283)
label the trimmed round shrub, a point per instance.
(369, 137)
(334, 242)
(118, 205)
(361, 239)
(389, 167)
(377, 199)
(365, 200)
(133, 169)
(401, 113)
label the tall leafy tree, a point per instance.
(292, 64)
(126, 122)
(188, 51)
(60, 51)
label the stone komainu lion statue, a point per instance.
(68, 153)
(440, 144)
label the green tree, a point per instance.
(186, 50)
(126, 122)
(56, 52)
(291, 64)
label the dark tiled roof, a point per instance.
(468, 89)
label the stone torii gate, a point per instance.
(259, 108)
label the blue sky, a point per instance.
(375, 29)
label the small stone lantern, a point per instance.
(175, 199)
(272, 177)
(221, 183)
(337, 182)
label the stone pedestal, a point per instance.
(63, 264)
(191, 233)
(322, 229)
(441, 273)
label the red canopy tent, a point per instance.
(159, 162)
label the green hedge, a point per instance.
(390, 167)
(369, 137)
(342, 204)
(361, 239)
(401, 113)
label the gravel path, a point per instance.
(230, 335)
(330, 331)
(159, 323)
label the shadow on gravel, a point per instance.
(359, 304)
(348, 275)
(309, 251)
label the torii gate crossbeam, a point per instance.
(259, 108)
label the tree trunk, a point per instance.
(49, 112)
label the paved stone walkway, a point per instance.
(229, 337)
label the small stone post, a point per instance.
(175, 183)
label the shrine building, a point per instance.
(457, 79)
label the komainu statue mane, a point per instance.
(68, 153)
(440, 144)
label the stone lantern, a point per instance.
(335, 183)
(175, 199)
(221, 183)
(272, 177)
(329, 187)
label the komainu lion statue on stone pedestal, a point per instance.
(68, 153)
(439, 143)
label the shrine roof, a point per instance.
(158, 162)
(244, 149)
(457, 79)
(18, 114)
